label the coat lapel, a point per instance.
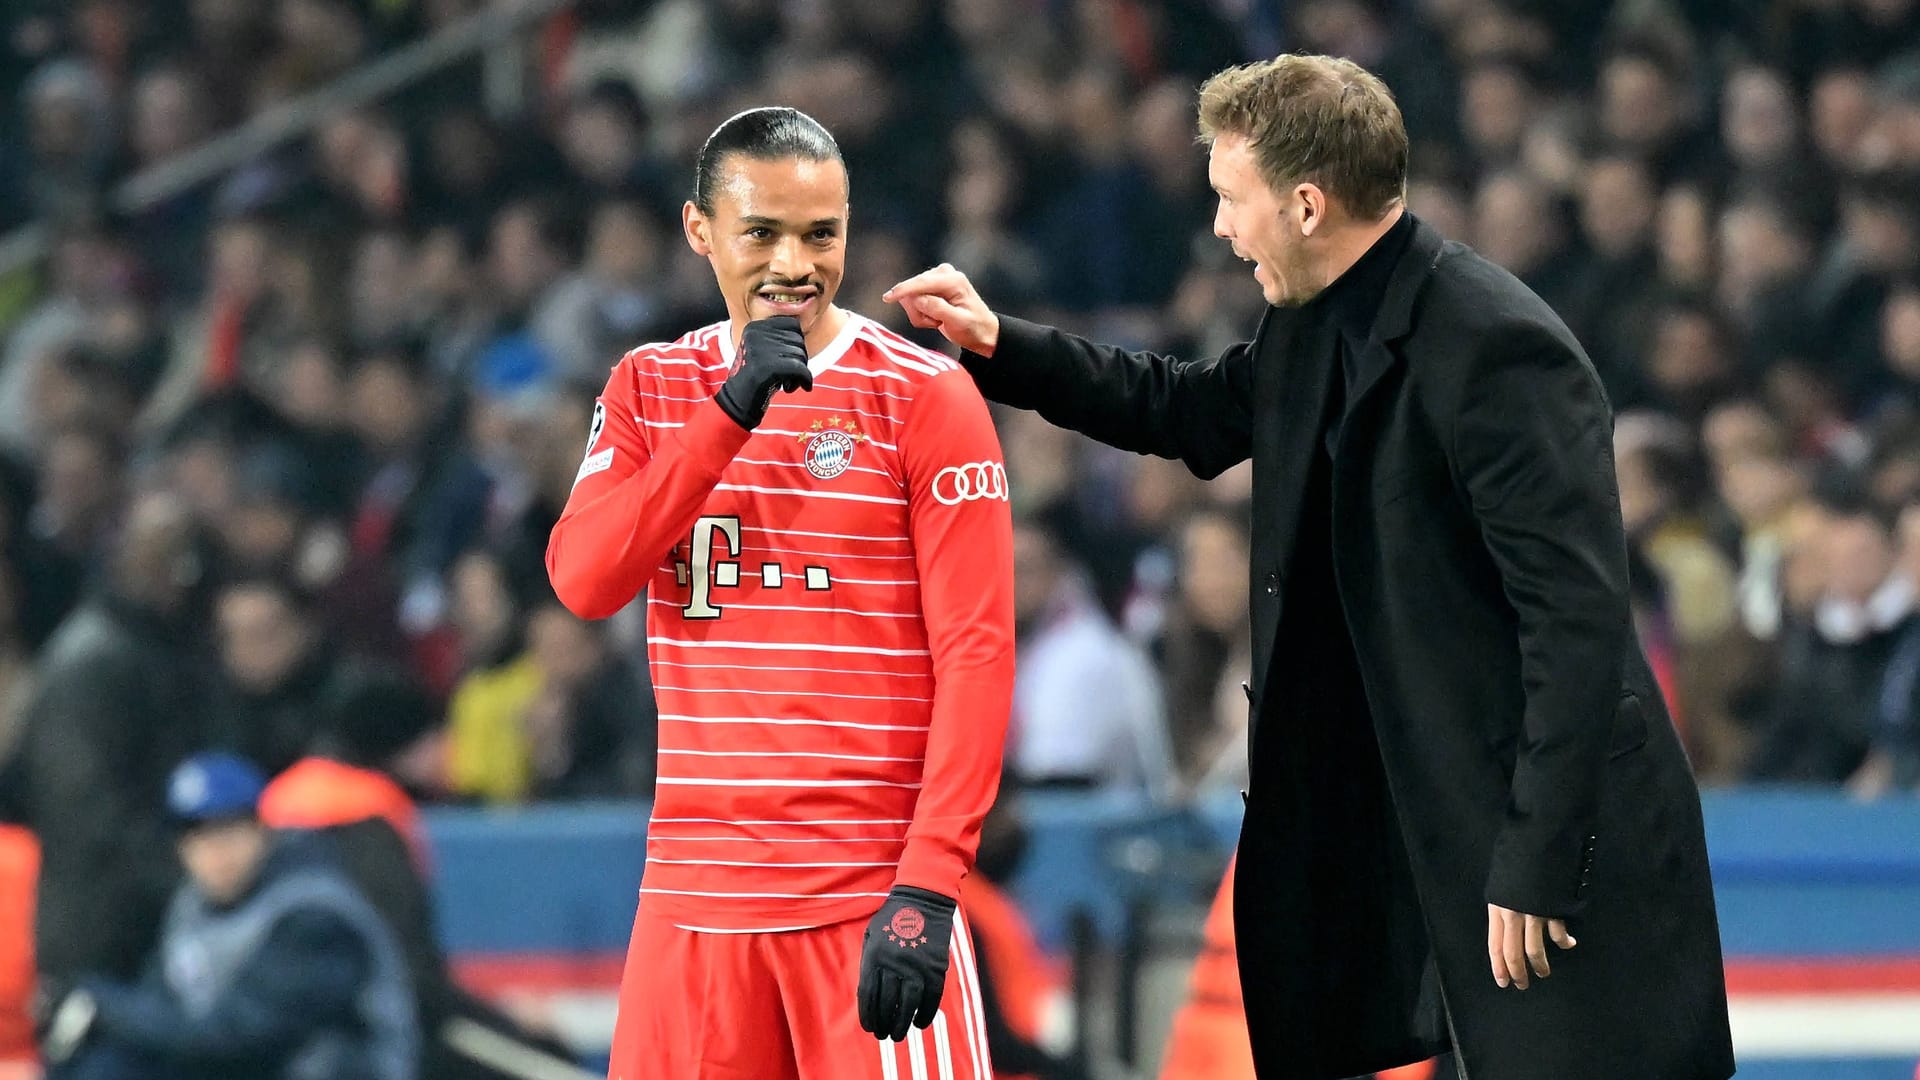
(1290, 384)
(1292, 378)
(1395, 317)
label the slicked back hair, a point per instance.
(770, 133)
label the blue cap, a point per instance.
(512, 364)
(214, 786)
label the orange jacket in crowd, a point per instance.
(19, 871)
(1023, 978)
(316, 793)
(1209, 1037)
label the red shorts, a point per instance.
(779, 1006)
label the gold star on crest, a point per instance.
(850, 427)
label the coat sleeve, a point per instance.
(1199, 412)
(634, 497)
(306, 973)
(1532, 447)
(963, 553)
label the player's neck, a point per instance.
(819, 336)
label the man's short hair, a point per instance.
(1314, 119)
(771, 133)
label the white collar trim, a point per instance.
(818, 362)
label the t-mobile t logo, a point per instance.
(702, 572)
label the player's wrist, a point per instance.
(989, 335)
(939, 902)
(730, 401)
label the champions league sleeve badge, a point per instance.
(830, 444)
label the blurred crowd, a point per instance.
(307, 423)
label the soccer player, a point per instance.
(817, 509)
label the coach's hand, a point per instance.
(1516, 942)
(773, 356)
(903, 961)
(943, 299)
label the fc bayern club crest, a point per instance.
(907, 928)
(830, 446)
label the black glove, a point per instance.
(773, 356)
(903, 961)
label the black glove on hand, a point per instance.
(773, 356)
(903, 961)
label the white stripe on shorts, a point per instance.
(917, 1052)
(889, 1059)
(942, 1048)
(970, 984)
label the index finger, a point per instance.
(940, 280)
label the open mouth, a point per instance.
(787, 299)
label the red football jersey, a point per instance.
(829, 621)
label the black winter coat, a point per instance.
(1450, 706)
(122, 699)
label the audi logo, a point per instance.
(956, 484)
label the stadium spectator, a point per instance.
(90, 269)
(1520, 224)
(123, 696)
(70, 141)
(1893, 755)
(81, 493)
(616, 297)
(280, 666)
(1834, 664)
(592, 731)
(168, 115)
(1663, 485)
(603, 135)
(1206, 653)
(424, 500)
(270, 965)
(351, 790)
(1611, 306)
(1086, 704)
(489, 745)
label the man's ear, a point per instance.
(698, 228)
(1310, 211)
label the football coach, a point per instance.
(1470, 825)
